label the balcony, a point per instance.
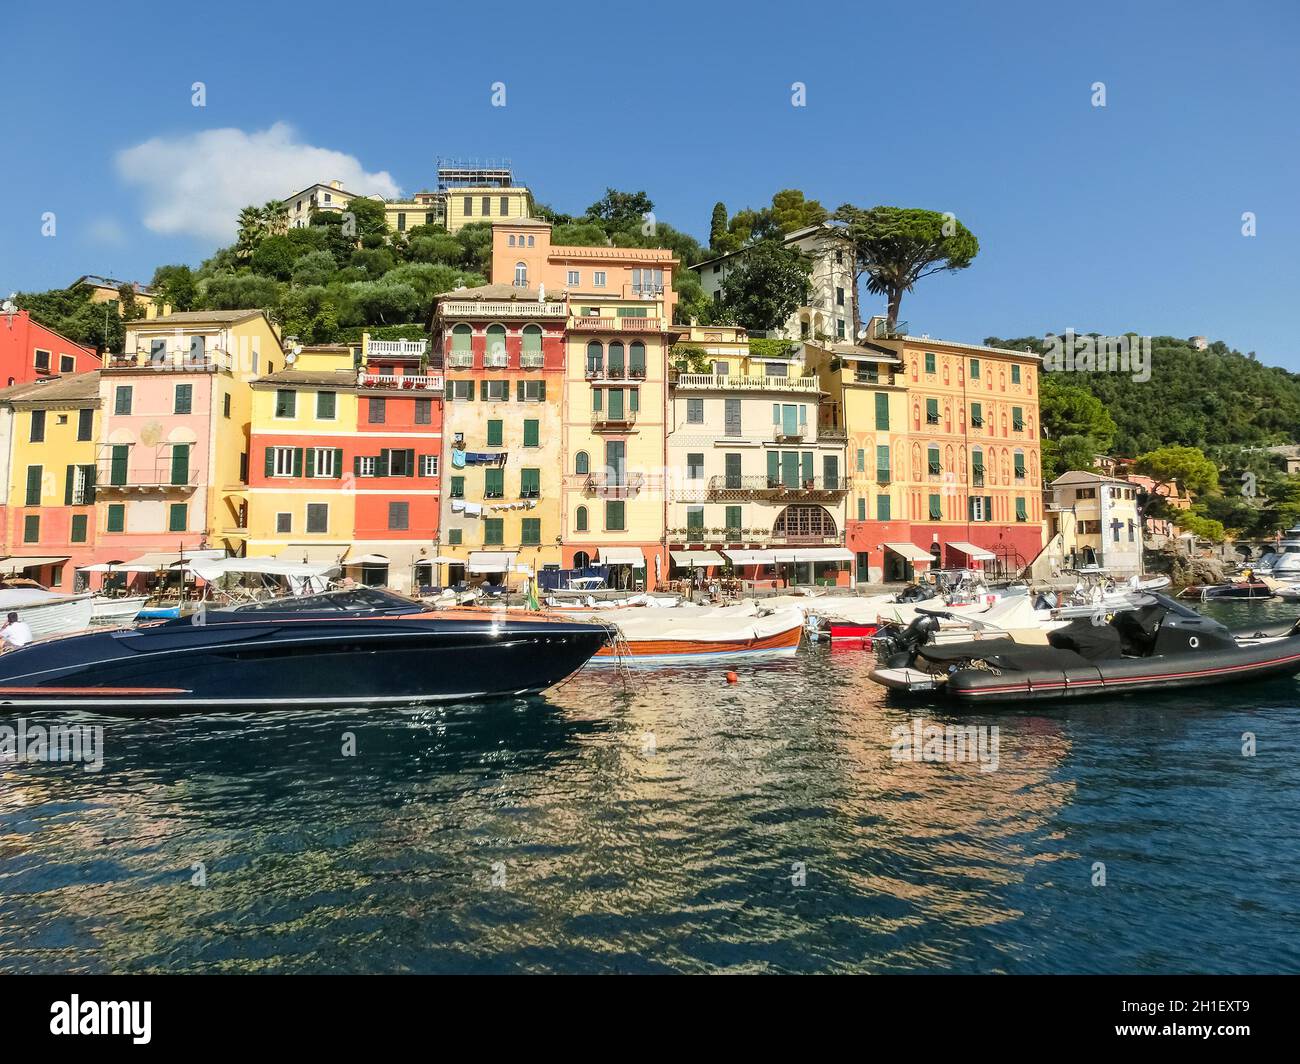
(977, 478)
(805, 383)
(615, 373)
(883, 476)
(531, 360)
(500, 360)
(172, 362)
(530, 493)
(461, 360)
(142, 481)
(608, 486)
(402, 381)
(504, 309)
(604, 420)
(781, 436)
(396, 348)
(642, 325)
(760, 486)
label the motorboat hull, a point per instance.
(110, 612)
(686, 651)
(47, 613)
(277, 662)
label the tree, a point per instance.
(274, 257)
(71, 312)
(791, 211)
(175, 286)
(717, 226)
(1065, 453)
(314, 268)
(766, 285)
(1185, 466)
(619, 209)
(897, 246)
(1064, 410)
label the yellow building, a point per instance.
(1092, 519)
(758, 477)
(49, 435)
(465, 195)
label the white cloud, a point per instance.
(107, 231)
(196, 185)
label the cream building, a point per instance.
(1092, 519)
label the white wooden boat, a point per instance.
(47, 612)
(115, 612)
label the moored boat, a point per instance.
(694, 634)
(355, 648)
(110, 612)
(1156, 644)
(47, 612)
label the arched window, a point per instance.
(801, 521)
(636, 358)
(460, 339)
(616, 358)
(496, 339)
(532, 339)
(581, 560)
(521, 275)
(580, 521)
(581, 463)
(595, 358)
(512, 240)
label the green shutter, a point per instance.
(494, 433)
(381, 463)
(176, 517)
(806, 466)
(311, 461)
(67, 485)
(482, 390)
(180, 463)
(297, 461)
(882, 410)
(988, 507)
(116, 517)
(338, 463)
(410, 462)
(532, 434)
(541, 391)
(90, 484)
(882, 507)
(270, 461)
(519, 391)
(35, 474)
(773, 467)
(936, 508)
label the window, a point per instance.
(882, 464)
(882, 507)
(116, 518)
(495, 346)
(598, 279)
(326, 406)
(494, 533)
(43, 361)
(494, 483)
(428, 465)
(581, 463)
(486, 203)
(85, 424)
(177, 517)
(929, 362)
(977, 467)
(117, 463)
(318, 517)
(860, 461)
(976, 415)
(400, 463)
(461, 339)
(468, 204)
(462, 391)
(158, 351)
(840, 331)
(1020, 465)
(882, 411)
(932, 460)
(530, 241)
(1022, 515)
(979, 508)
(122, 399)
(521, 275)
(494, 432)
(67, 364)
(183, 402)
(504, 204)
(733, 523)
(376, 411)
(399, 516)
(283, 523)
(454, 537)
(284, 461)
(580, 519)
(614, 517)
(532, 433)
(1017, 419)
(932, 411)
(365, 467)
(1015, 374)
(321, 462)
(776, 369)
(401, 221)
(695, 524)
(936, 508)
(180, 463)
(495, 391)
(31, 529)
(866, 373)
(532, 343)
(225, 404)
(35, 475)
(286, 403)
(79, 526)
(839, 296)
(530, 483)
(862, 508)
(573, 278)
(695, 411)
(457, 487)
(694, 466)
(38, 426)
(731, 416)
(530, 532)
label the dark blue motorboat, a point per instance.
(360, 647)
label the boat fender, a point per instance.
(732, 678)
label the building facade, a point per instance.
(465, 195)
(297, 208)
(31, 352)
(1096, 518)
(758, 474)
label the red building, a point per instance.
(31, 352)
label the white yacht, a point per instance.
(1283, 561)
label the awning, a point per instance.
(367, 559)
(751, 557)
(911, 552)
(157, 561)
(211, 569)
(694, 558)
(490, 561)
(314, 553)
(974, 553)
(621, 556)
(18, 564)
(815, 554)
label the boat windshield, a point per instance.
(350, 600)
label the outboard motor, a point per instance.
(914, 593)
(896, 647)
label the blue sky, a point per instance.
(1122, 217)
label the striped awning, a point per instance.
(910, 551)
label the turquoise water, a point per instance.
(662, 825)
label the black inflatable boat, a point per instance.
(1156, 642)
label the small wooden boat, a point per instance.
(1241, 589)
(46, 612)
(112, 612)
(695, 634)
